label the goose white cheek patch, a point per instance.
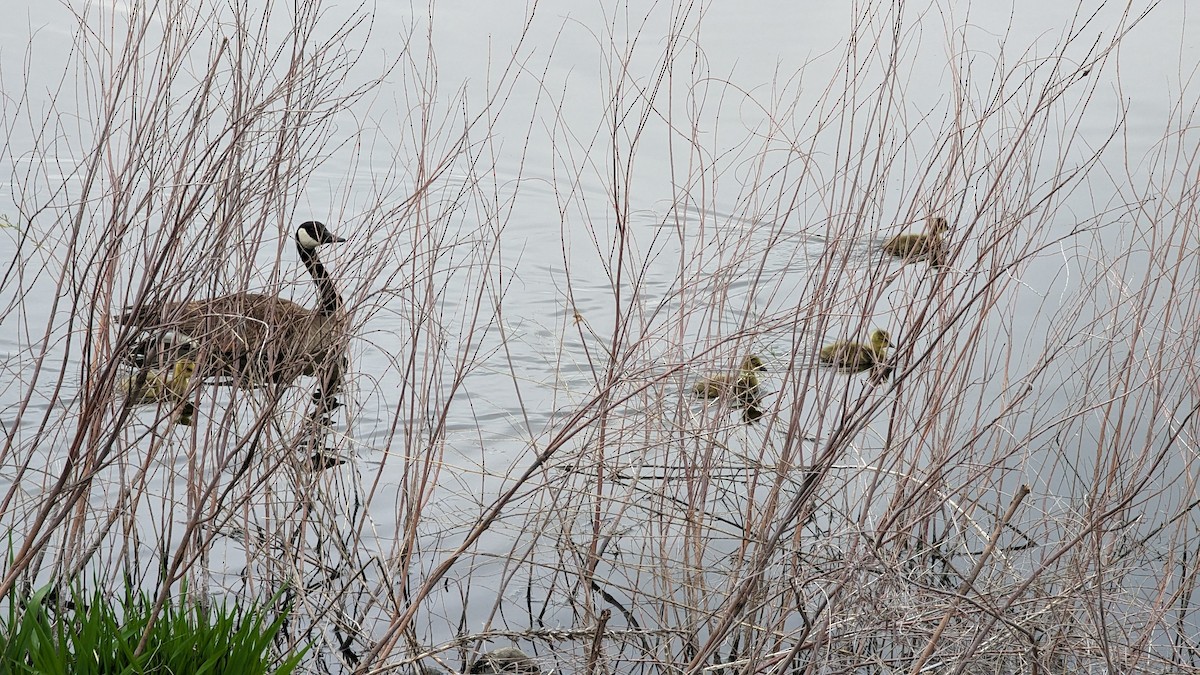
(306, 239)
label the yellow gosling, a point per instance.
(159, 387)
(740, 384)
(856, 357)
(917, 247)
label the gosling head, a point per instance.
(880, 339)
(937, 224)
(753, 364)
(184, 369)
(312, 234)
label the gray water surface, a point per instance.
(751, 184)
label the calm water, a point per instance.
(732, 212)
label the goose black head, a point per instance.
(312, 234)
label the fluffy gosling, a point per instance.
(918, 247)
(157, 386)
(856, 357)
(504, 660)
(740, 384)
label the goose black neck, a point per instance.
(328, 301)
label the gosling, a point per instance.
(741, 385)
(157, 386)
(918, 247)
(856, 357)
(504, 660)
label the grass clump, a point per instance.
(96, 635)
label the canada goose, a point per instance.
(856, 357)
(917, 247)
(251, 338)
(742, 384)
(504, 660)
